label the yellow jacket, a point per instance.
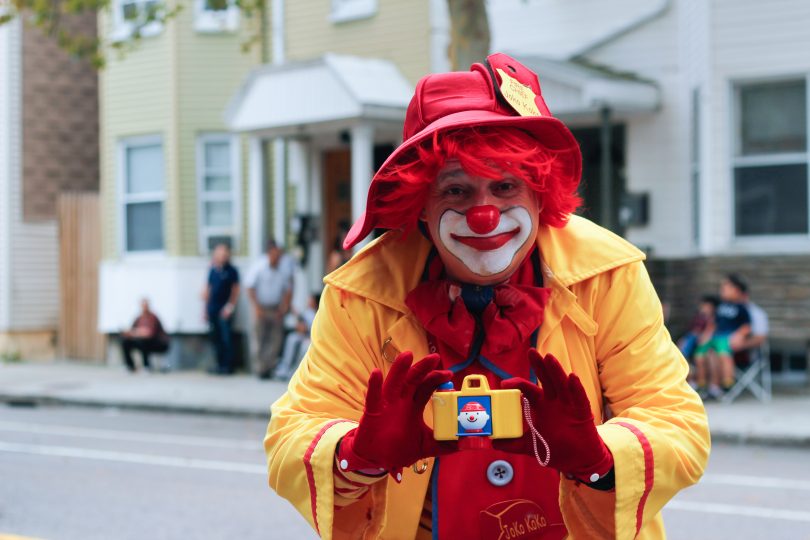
(603, 321)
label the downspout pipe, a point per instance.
(277, 32)
(279, 143)
(606, 169)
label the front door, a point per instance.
(337, 204)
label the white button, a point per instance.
(344, 464)
(594, 477)
(399, 477)
(500, 472)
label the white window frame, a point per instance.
(207, 21)
(123, 29)
(352, 10)
(234, 195)
(695, 160)
(125, 198)
(765, 243)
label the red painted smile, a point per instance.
(486, 243)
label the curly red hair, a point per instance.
(486, 152)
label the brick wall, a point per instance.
(60, 121)
(779, 284)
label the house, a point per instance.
(175, 180)
(328, 110)
(334, 99)
(720, 162)
(172, 176)
(48, 145)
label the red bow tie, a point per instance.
(507, 321)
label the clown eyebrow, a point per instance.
(452, 167)
(452, 174)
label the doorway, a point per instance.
(591, 185)
(337, 196)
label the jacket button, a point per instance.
(500, 472)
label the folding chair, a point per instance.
(754, 376)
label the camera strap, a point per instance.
(536, 436)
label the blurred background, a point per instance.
(137, 135)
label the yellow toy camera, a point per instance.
(476, 411)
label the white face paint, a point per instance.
(485, 262)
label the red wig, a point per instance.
(486, 152)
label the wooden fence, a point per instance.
(79, 257)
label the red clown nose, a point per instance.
(483, 219)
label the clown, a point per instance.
(485, 270)
(473, 417)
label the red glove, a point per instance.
(392, 433)
(561, 413)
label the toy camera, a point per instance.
(476, 411)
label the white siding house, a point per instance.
(718, 65)
(725, 159)
(29, 295)
(722, 158)
(657, 144)
(9, 155)
(758, 82)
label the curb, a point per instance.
(35, 401)
(718, 436)
(754, 439)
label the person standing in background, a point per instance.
(221, 295)
(270, 287)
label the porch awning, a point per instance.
(576, 90)
(331, 92)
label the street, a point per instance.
(76, 473)
(747, 492)
(105, 474)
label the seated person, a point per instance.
(297, 341)
(146, 335)
(731, 321)
(759, 326)
(702, 326)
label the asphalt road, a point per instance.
(89, 474)
(107, 474)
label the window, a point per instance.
(218, 183)
(143, 194)
(131, 16)
(349, 10)
(212, 16)
(770, 159)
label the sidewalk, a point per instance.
(100, 385)
(784, 421)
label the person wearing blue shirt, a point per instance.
(221, 295)
(732, 320)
